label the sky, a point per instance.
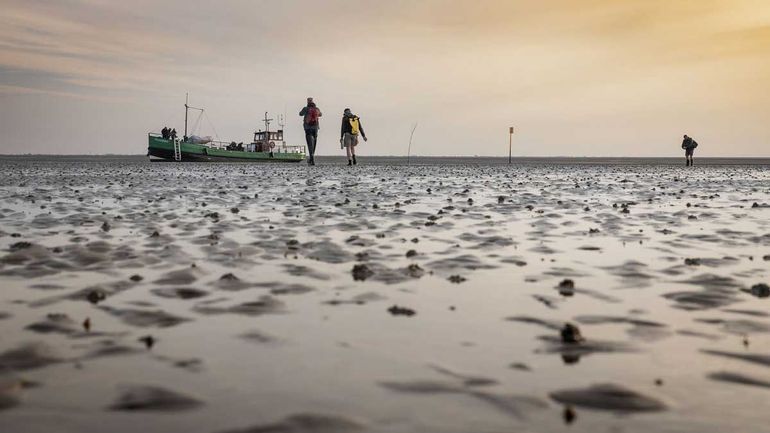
(574, 78)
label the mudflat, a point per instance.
(448, 295)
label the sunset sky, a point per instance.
(576, 78)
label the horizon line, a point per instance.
(3, 155)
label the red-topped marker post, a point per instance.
(510, 143)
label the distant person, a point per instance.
(689, 145)
(351, 128)
(173, 134)
(165, 133)
(311, 114)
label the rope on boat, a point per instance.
(216, 134)
(195, 126)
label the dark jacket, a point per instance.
(346, 127)
(689, 143)
(304, 113)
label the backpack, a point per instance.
(694, 144)
(312, 116)
(355, 127)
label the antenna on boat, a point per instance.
(282, 124)
(267, 122)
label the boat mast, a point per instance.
(186, 97)
(186, 109)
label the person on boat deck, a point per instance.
(689, 145)
(351, 128)
(310, 122)
(164, 132)
(173, 134)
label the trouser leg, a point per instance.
(313, 143)
(350, 141)
(311, 136)
(347, 144)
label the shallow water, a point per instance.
(162, 297)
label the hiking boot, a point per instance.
(350, 163)
(354, 160)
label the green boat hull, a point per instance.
(162, 148)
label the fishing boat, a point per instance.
(267, 146)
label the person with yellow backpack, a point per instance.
(351, 128)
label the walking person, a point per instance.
(311, 115)
(689, 145)
(351, 128)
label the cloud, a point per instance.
(462, 68)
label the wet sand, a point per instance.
(164, 297)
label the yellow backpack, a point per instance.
(354, 126)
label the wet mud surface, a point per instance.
(211, 298)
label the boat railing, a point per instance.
(279, 148)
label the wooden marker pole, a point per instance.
(510, 143)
